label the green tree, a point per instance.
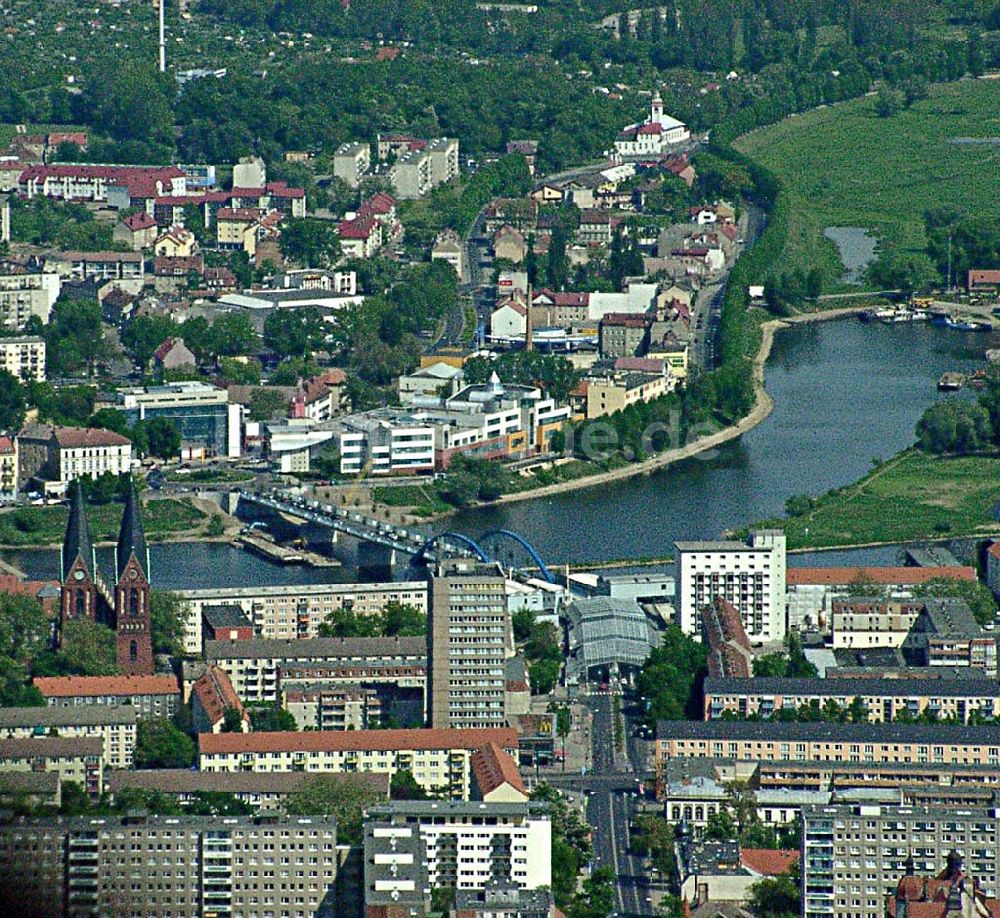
(233, 335)
(267, 403)
(404, 786)
(86, 648)
(244, 373)
(144, 334)
(128, 100)
(776, 897)
(670, 680)
(110, 419)
(888, 102)
(271, 718)
(12, 402)
(443, 899)
(344, 796)
(160, 744)
(232, 721)
(167, 614)
(74, 337)
(162, 437)
(348, 623)
(310, 242)
(295, 332)
(403, 620)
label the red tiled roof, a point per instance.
(6, 446)
(640, 364)
(492, 768)
(139, 222)
(240, 214)
(627, 319)
(770, 862)
(651, 128)
(983, 277)
(282, 190)
(359, 228)
(89, 686)
(377, 740)
(166, 265)
(842, 576)
(216, 693)
(77, 437)
(121, 174)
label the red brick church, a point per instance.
(84, 594)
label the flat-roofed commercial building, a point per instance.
(414, 847)
(189, 866)
(882, 699)
(115, 725)
(295, 610)
(439, 760)
(208, 425)
(256, 668)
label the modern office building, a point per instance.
(182, 866)
(467, 645)
(412, 848)
(208, 425)
(853, 856)
(750, 575)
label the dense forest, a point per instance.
(483, 76)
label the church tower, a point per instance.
(80, 595)
(656, 109)
(132, 620)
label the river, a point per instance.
(844, 393)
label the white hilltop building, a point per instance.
(652, 137)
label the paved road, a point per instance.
(611, 808)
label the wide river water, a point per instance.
(844, 393)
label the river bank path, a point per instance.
(763, 405)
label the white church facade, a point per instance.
(652, 137)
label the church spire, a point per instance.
(131, 538)
(77, 543)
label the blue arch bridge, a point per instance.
(289, 515)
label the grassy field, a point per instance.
(844, 166)
(31, 526)
(911, 497)
(420, 500)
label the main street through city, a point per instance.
(611, 787)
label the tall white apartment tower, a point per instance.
(750, 575)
